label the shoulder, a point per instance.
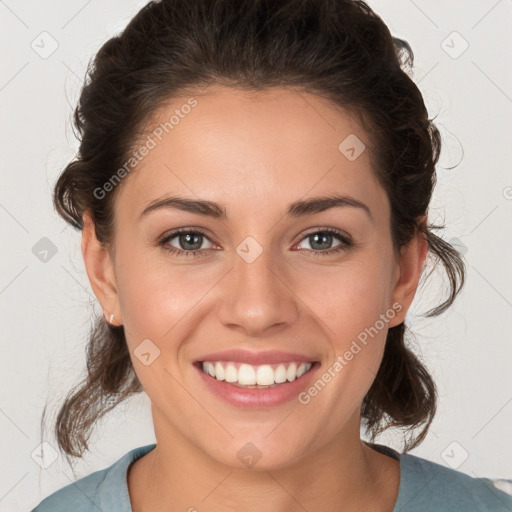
(106, 489)
(428, 486)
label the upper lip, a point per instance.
(256, 358)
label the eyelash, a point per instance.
(344, 245)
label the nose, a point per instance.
(256, 297)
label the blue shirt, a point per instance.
(424, 487)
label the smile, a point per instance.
(255, 386)
(255, 377)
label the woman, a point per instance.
(253, 186)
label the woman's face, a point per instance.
(264, 280)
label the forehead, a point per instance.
(246, 148)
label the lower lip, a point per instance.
(252, 398)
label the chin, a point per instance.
(255, 453)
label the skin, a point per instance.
(255, 153)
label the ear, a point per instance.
(100, 270)
(409, 267)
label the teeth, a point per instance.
(280, 374)
(264, 375)
(246, 375)
(219, 371)
(231, 373)
(301, 370)
(255, 376)
(291, 373)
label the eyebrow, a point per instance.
(296, 209)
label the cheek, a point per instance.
(157, 301)
(347, 299)
(353, 304)
(154, 296)
(164, 304)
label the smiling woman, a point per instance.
(253, 186)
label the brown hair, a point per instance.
(338, 49)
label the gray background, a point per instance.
(47, 302)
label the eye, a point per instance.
(322, 239)
(191, 241)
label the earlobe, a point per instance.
(412, 258)
(100, 270)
